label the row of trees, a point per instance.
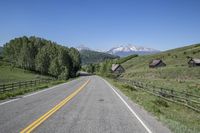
(43, 56)
(104, 68)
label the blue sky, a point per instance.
(102, 24)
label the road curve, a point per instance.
(96, 108)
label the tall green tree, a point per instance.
(76, 60)
(43, 56)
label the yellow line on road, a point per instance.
(41, 119)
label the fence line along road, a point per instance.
(186, 99)
(16, 85)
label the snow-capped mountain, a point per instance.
(125, 50)
(82, 47)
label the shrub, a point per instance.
(161, 102)
(129, 87)
(156, 109)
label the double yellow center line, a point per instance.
(41, 119)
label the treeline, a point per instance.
(43, 56)
(104, 68)
(1, 51)
(89, 56)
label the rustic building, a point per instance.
(194, 62)
(156, 63)
(117, 68)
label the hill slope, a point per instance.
(10, 74)
(1, 50)
(89, 56)
(176, 75)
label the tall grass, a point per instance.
(177, 118)
(24, 90)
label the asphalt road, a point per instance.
(90, 105)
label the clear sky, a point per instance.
(102, 24)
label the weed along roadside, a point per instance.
(21, 84)
(189, 100)
(11, 93)
(178, 118)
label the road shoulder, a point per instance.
(149, 120)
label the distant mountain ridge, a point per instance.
(82, 47)
(125, 50)
(89, 56)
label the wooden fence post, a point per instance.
(12, 86)
(19, 84)
(4, 87)
(187, 97)
(172, 93)
(161, 92)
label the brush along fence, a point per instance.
(21, 84)
(190, 100)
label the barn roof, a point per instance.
(155, 62)
(196, 60)
(115, 66)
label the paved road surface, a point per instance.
(97, 108)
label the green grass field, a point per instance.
(9, 74)
(24, 90)
(177, 75)
(178, 118)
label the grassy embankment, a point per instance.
(176, 75)
(9, 75)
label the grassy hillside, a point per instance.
(176, 75)
(88, 56)
(9, 74)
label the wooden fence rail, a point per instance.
(190, 100)
(21, 84)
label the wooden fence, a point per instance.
(190, 100)
(21, 84)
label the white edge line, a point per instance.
(133, 112)
(47, 89)
(9, 101)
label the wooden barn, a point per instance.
(194, 62)
(117, 68)
(156, 63)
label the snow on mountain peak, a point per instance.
(82, 47)
(123, 50)
(130, 49)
